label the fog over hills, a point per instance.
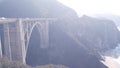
(115, 18)
(30, 8)
(74, 42)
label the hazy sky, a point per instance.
(91, 7)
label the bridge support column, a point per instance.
(21, 42)
(7, 47)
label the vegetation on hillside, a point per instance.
(5, 63)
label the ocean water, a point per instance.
(116, 53)
(111, 62)
(112, 58)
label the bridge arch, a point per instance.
(34, 53)
(37, 25)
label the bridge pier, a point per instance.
(14, 41)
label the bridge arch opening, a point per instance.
(35, 55)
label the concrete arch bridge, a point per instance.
(15, 35)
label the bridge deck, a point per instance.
(9, 20)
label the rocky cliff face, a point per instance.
(74, 42)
